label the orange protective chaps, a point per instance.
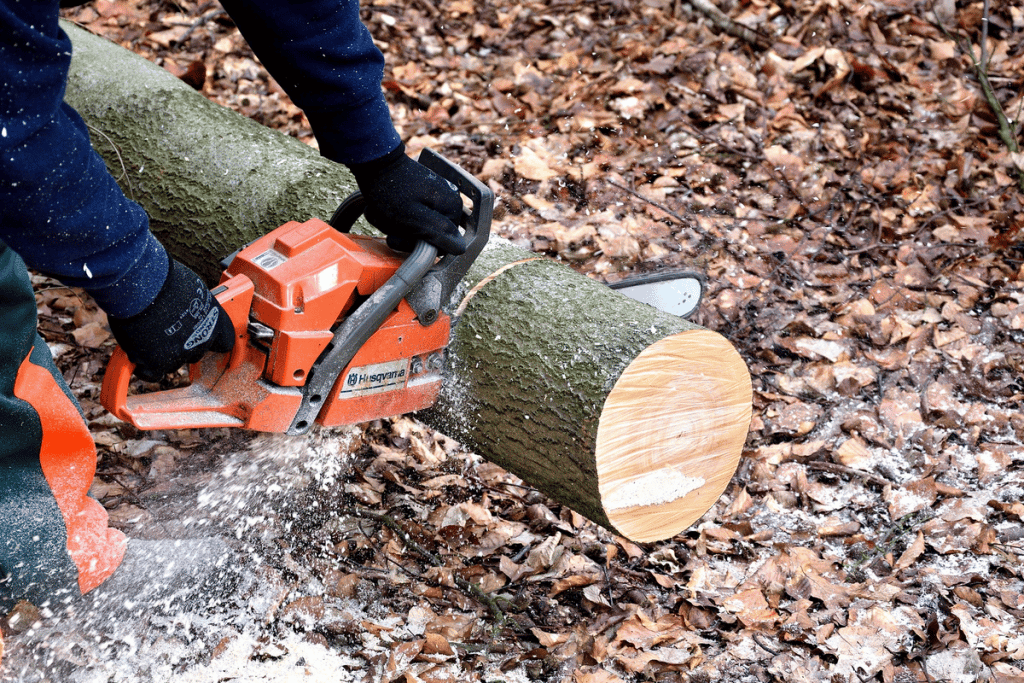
(54, 539)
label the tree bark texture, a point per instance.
(632, 417)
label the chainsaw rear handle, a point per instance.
(435, 288)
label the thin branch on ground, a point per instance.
(471, 589)
(900, 528)
(679, 217)
(834, 468)
(209, 16)
(727, 24)
(1006, 132)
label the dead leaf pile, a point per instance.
(839, 174)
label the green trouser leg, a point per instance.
(54, 543)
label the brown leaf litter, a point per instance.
(845, 189)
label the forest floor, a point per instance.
(838, 170)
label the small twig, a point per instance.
(134, 497)
(764, 647)
(196, 24)
(730, 26)
(392, 524)
(682, 221)
(1009, 548)
(984, 36)
(52, 288)
(467, 587)
(835, 468)
(120, 160)
(1006, 132)
(899, 529)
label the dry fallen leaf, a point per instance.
(854, 453)
(863, 647)
(92, 336)
(912, 552)
(530, 165)
(913, 497)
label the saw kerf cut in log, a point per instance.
(630, 416)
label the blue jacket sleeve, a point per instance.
(324, 57)
(59, 207)
(62, 211)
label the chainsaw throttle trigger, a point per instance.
(434, 290)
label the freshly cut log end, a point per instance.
(671, 433)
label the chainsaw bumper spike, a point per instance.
(326, 328)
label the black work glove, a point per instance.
(180, 326)
(408, 202)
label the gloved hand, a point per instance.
(409, 202)
(180, 326)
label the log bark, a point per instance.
(632, 417)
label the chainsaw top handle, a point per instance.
(435, 288)
(426, 286)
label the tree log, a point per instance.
(632, 417)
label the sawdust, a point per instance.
(659, 486)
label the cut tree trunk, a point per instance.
(632, 417)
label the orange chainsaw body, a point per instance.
(330, 328)
(285, 294)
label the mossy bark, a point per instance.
(537, 348)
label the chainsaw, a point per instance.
(331, 328)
